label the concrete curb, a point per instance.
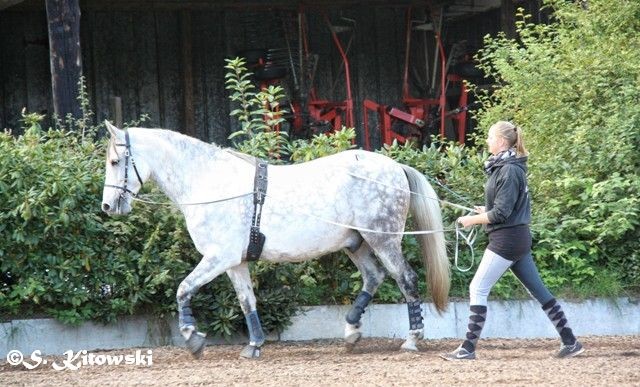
(506, 319)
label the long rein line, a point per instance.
(468, 238)
(448, 203)
(136, 198)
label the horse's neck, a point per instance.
(177, 163)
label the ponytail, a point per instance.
(520, 149)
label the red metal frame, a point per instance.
(386, 115)
(459, 115)
(418, 108)
(337, 113)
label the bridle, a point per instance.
(127, 155)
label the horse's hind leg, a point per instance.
(241, 280)
(372, 277)
(208, 269)
(389, 252)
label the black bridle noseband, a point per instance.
(127, 155)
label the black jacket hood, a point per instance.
(520, 162)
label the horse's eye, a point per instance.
(114, 162)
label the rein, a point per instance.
(194, 203)
(413, 193)
(468, 238)
(259, 193)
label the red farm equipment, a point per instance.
(309, 113)
(419, 117)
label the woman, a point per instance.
(506, 216)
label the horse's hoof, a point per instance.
(250, 352)
(409, 346)
(353, 337)
(196, 343)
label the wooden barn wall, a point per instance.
(137, 55)
(25, 77)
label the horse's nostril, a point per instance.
(105, 207)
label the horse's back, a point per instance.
(311, 200)
(346, 175)
(349, 160)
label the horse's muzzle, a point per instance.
(106, 208)
(121, 208)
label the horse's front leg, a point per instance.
(241, 280)
(208, 269)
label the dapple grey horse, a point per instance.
(355, 201)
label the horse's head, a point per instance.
(124, 176)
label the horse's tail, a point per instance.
(425, 209)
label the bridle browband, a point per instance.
(127, 155)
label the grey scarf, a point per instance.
(491, 161)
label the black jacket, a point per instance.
(507, 194)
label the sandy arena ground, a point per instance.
(613, 361)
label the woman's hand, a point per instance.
(480, 217)
(466, 221)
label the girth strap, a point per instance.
(256, 238)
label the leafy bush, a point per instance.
(57, 253)
(61, 256)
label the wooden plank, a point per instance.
(320, 44)
(169, 70)
(339, 84)
(234, 42)
(473, 28)
(103, 69)
(63, 18)
(218, 119)
(212, 105)
(259, 5)
(13, 75)
(508, 18)
(187, 72)
(116, 111)
(200, 28)
(365, 67)
(391, 50)
(37, 67)
(334, 89)
(2, 55)
(86, 36)
(122, 49)
(8, 3)
(144, 31)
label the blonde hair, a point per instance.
(513, 134)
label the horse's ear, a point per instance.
(115, 132)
